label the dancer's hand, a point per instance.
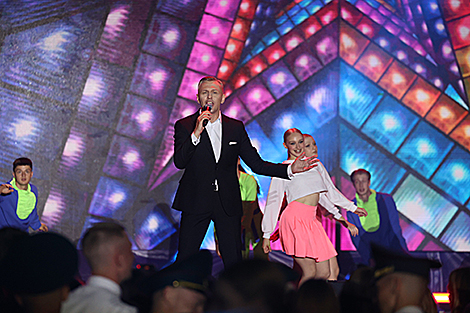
(302, 163)
(361, 212)
(353, 229)
(5, 189)
(43, 228)
(266, 245)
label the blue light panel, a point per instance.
(357, 96)
(456, 236)
(390, 123)
(454, 175)
(112, 199)
(357, 153)
(425, 149)
(424, 206)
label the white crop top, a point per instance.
(315, 180)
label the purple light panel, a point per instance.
(112, 199)
(143, 119)
(169, 37)
(102, 92)
(214, 31)
(205, 59)
(155, 77)
(255, 97)
(121, 35)
(129, 159)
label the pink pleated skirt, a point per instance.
(302, 235)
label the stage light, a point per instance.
(292, 43)
(424, 206)
(367, 27)
(116, 197)
(214, 31)
(74, 147)
(241, 29)
(116, 19)
(350, 13)
(132, 160)
(446, 114)
(441, 297)
(310, 26)
(24, 128)
(143, 118)
(274, 53)
(397, 79)
(373, 62)
(421, 96)
(377, 17)
(204, 58)
(256, 97)
(171, 37)
(401, 55)
(424, 27)
(158, 79)
(459, 31)
(447, 51)
(54, 208)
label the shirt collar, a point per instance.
(217, 121)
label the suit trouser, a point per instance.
(193, 228)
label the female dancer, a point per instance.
(302, 235)
(310, 148)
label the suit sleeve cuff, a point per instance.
(289, 171)
(194, 139)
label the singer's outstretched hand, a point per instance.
(302, 163)
(205, 115)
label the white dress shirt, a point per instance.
(214, 130)
(99, 295)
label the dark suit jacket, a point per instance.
(201, 169)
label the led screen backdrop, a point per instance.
(90, 92)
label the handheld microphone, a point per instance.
(206, 108)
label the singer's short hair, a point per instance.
(210, 79)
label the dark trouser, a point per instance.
(193, 228)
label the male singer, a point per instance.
(207, 146)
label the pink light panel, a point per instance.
(310, 26)
(256, 97)
(204, 58)
(240, 29)
(214, 31)
(256, 65)
(350, 13)
(233, 50)
(226, 69)
(368, 27)
(327, 14)
(455, 8)
(460, 32)
(273, 53)
(223, 8)
(247, 9)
